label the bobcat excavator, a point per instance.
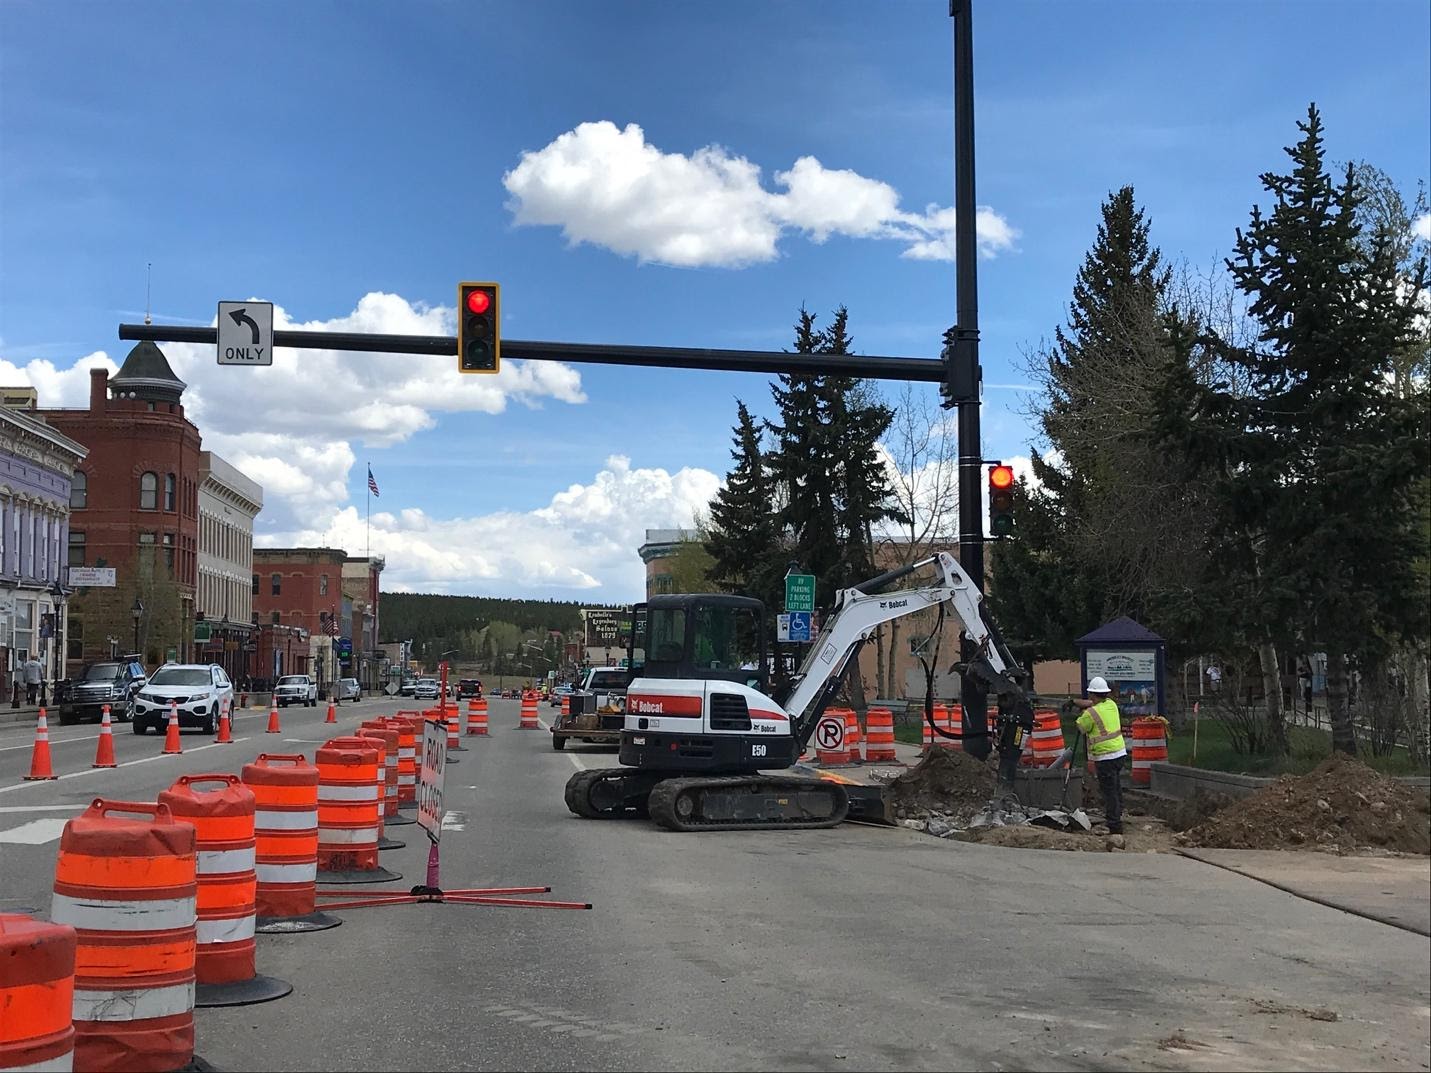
(702, 736)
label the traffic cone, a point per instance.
(171, 736)
(40, 759)
(332, 714)
(273, 727)
(224, 738)
(104, 754)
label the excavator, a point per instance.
(704, 745)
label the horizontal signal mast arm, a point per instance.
(877, 367)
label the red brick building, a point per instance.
(135, 507)
(297, 589)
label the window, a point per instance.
(146, 538)
(148, 491)
(322, 584)
(169, 550)
(169, 492)
(255, 584)
(79, 490)
(666, 642)
(277, 583)
(277, 618)
(76, 548)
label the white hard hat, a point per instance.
(1098, 685)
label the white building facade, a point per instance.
(228, 503)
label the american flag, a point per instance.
(372, 483)
(332, 626)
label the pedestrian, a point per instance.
(1214, 677)
(1102, 724)
(34, 674)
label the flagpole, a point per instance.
(369, 551)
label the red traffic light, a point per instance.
(1001, 477)
(479, 301)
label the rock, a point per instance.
(1324, 804)
(913, 825)
(939, 827)
(1116, 842)
(1378, 808)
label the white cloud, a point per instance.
(581, 545)
(67, 388)
(609, 187)
(1422, 227)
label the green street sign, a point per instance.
(800, 592)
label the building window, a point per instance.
(79, 490)
(276, 581)
(146, 538)
(255, 584)
(169, 492)
(322, 584)
(169, 551)
(277, 618)
(148, 491)
(76, 548)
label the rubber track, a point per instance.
(580, 785)
(662, 803)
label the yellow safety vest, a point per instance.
(1104, 727)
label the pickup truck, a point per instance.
(597, 709)
(296, 689)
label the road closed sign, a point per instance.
(830, 734)
(429, 777)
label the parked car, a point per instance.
(112, 682)
(560, 691)
(200, 689)
(407, 686)
(425, 689)
(469, 687)
(296, 689)
(349, 689)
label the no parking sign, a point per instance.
(830, 733)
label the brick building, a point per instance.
(366, 661)
(298, 589)
(135, 507)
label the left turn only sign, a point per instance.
(245, 333)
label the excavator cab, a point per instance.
(705, 636)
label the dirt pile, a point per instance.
(944, 781)
(1340, 806)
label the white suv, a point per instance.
(296, 689)
(201, 690)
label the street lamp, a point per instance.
(138, 612)
(57, 597)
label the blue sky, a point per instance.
(629, 172)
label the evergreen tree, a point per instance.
(1317, 457)
(742, 538)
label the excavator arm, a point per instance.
(861, 609)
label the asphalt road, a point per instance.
(859, 948)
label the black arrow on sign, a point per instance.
(241, 316)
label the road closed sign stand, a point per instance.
(429, 791)
(430, 810)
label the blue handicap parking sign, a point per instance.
(800, 626)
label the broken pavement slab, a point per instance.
(1390, 890)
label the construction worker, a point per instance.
(1102, 726)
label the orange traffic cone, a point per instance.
(40, 759)
(332, 714)
(224, 738)
(273, 727)
(171, 736)
(104, 754)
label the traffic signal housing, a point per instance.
(479, 327)
(1001, 500)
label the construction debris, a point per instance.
(1342, 806)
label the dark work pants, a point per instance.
(1112, 787)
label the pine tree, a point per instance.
(1319, 454)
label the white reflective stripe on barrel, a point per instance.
(330, 837)
(408, 751)
(133, 1004)
(305, 872)
(367, 792)
(407, 780)
(63, 1063)
(265, 820)
(224, 861)
(1150, 743)
(159, 914)
(225, 929)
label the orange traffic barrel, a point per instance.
(1150, 745)
(1047, 739)
(392, 768)
(37, 994)
(453, 715)
(438, 715)
(879, 735)
(223, 821)
(387, 780)
(407, 757)
(852, 735)
(129, 889)
(285, 797)
(528, 720)
(477, 717)
(348, 813)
